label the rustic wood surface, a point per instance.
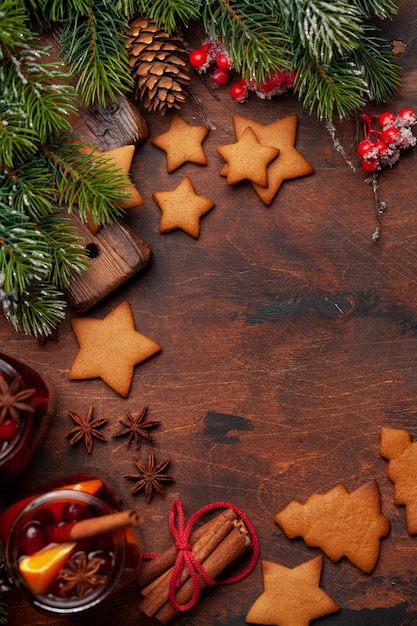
(289, 339)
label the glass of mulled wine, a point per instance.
(60, 573)
(24, 416)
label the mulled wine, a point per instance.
(24, 417)
(57, 570)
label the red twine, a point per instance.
(185, 558)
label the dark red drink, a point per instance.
(24, 417)
(60, 574)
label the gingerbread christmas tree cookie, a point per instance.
(397, 447)
(289, 164)
(110, 348)
(292, 596)
(340, 523)
(182, 143)
(182, 208)
(247, 159)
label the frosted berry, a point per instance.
(198, 58)
(239, 92)
(381, 148)
(406, 117)
(370, 165)
(391, 135)
(223, 61)
(289, 78)
(8, 429)
(366, 148)
(220, 77)
(386, 120)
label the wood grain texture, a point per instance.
(288, 338)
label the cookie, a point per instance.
(396, 446)
(121, 158)
(247, 159)
(340, 523)
(109, 348)
(182, 143)
(182, 208)
(289, 164)
(292, 596)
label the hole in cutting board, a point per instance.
(92, 250)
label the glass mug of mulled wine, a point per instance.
(72, 546)
(24, 416)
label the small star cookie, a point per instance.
(122, 158)
(247, 159)
(110, 348)
(182, 143)
(292, 596)
(182, 208)
(289, 164)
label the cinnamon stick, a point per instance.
(156, 603)
(93, 526)
(151, 570)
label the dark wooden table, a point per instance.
(289, 339)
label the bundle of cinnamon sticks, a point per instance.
(215, 545)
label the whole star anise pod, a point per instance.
(81, 574)
(136, 429)
(86, 429)
(12, 399)
(150, 476)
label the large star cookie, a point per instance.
(110, 348)
(291, 597)
(289, 164)
(247, 159)
(182, 143)
(182, 208)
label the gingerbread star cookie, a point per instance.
(182, 208)
(110, 348)
(182, 143)
(292, 596)
(122, 158)
(340, 523)
(289, 164)
(397, 447)
(247, 159)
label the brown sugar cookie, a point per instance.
(247, 159)
(122, 158)
(182, 208)
(396, 446)
(340, 523)
(292, 596)
(109, 348)
(289, 164)
(182, 143)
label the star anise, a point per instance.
(136, 429)
(87, 429)
(81, 574)
(12, 399)
(150, 477)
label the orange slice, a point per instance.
(88, 486)
(39, 570)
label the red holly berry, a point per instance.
(289, 78)
(220, 77)
(406, 117)
(223, 61)
(8, 429)
(381, 148)
(386, 120)
(239, 92)
(391, 135)
(370, 165)
(366, 148)
(198, 58)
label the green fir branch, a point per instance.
(382, 9)
(171, 15)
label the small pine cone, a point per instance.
(158, 63)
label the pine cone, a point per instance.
(158, 65)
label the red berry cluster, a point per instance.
(382, 146)
(211, 57)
